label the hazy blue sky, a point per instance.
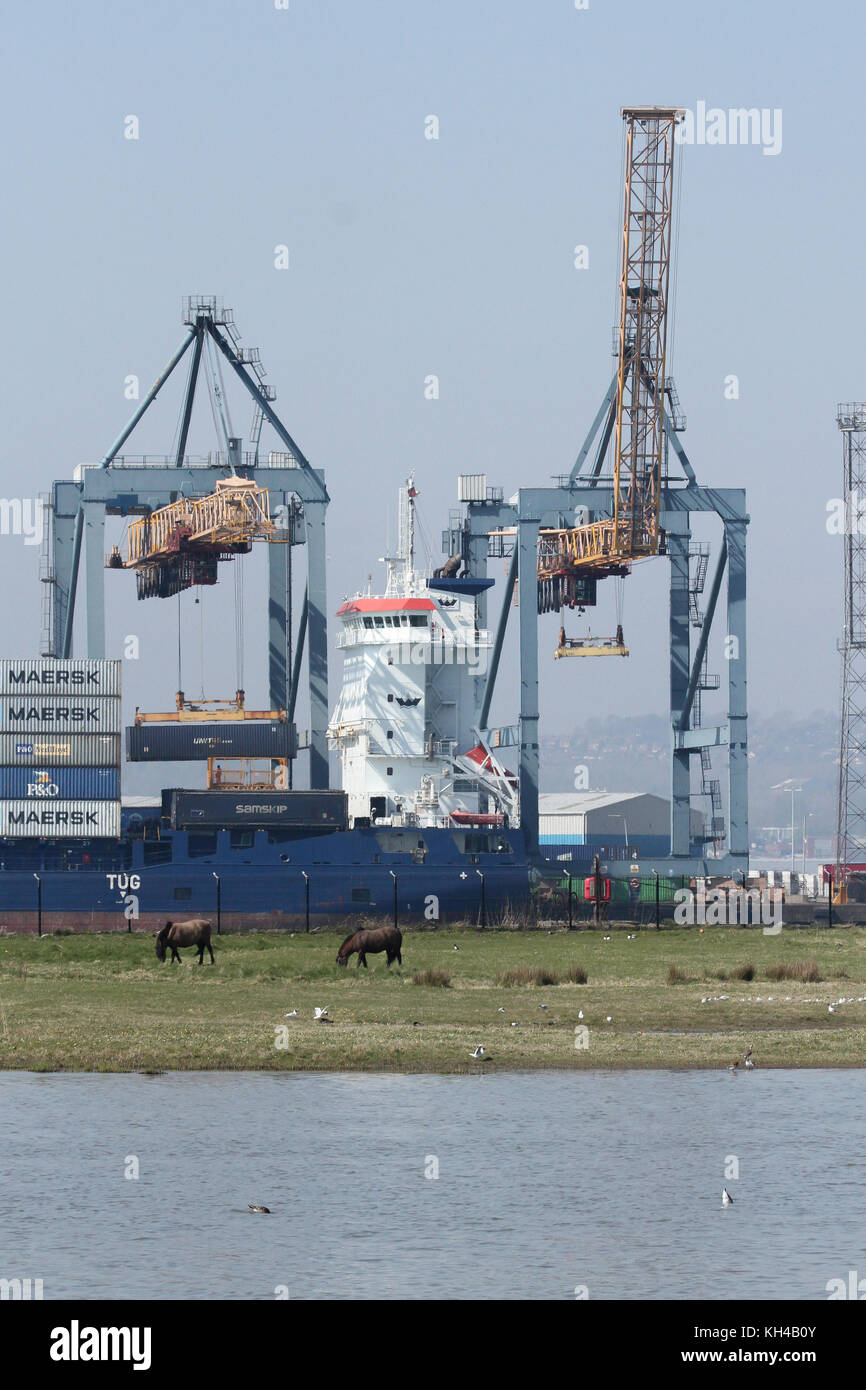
(410, 256)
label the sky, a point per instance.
(304, 127)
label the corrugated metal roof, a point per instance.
(578, 803)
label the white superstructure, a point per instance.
(406, 723)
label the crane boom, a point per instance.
(644, 280)
(572, 558)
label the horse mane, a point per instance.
(348, 938)
(161, 935)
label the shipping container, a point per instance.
(471, 487)
(56, 820)
(61, 750)
(173, 743)
(51, 676)
(63, 714)
(215, 808)
(60, 783)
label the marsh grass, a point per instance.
(439, 979)
(806, 971)
(102, 1002)
(519, 975)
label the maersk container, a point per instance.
(62, 714)
(56, 820)
(60, 750)
(305, 809)
(60, 783)
(173, 743)
(52, 676)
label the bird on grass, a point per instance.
(747, 1054)
(266, 1210)
(727, 1199)
(293, 1014)
(479, 1055)
(580, 1013)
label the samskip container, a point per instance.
(302, 808)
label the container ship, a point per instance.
(424, 824)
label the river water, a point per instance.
(549, 1184)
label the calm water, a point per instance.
(546, 1181)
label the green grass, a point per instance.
(104, 1003)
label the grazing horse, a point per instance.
(193, 933)
(388, 939)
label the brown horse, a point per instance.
(388, 939)
(193, 933)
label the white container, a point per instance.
(59, 820)
(50, 676)
(471, 487)
(25, 715)
(60, 750)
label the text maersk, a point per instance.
(101, 714)
(47, 819)
(63, 716)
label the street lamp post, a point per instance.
(570, 901)
(656, 877)
(483, 899)
(306, 900)
(219, 903)
(394, 876)
(616, 816)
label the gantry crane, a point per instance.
(572, 559)
(592, 524)
(182, 544)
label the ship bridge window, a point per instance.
(378, 622)
(241, 839)
(417, 620)
(368, 622)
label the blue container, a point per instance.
(59, 784)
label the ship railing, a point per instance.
(465, 639)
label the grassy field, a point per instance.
(104, 1003)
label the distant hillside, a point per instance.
(633, 755)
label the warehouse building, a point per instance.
(620, 825)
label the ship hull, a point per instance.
(349, 874)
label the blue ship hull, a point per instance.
(134, 882)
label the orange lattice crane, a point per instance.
(182, 544)
(569, 557)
